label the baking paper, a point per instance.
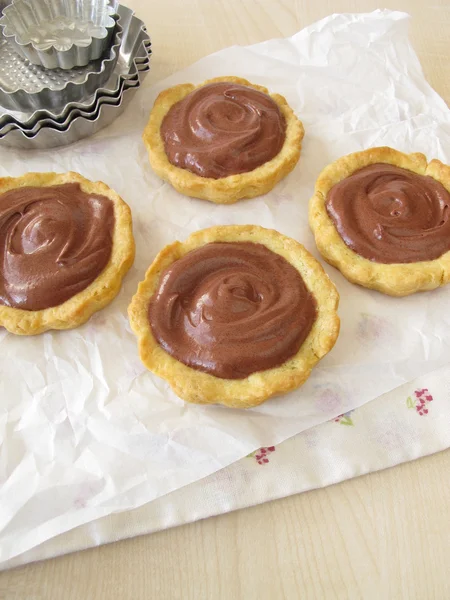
(85, 430)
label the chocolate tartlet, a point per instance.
(223, 140)
(382, 218)
(234, 315)
(65, 245)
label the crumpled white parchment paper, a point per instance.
(85, 430)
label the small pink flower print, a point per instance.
(371, 328)
(85, 493)
(392, 432)
(262, 455)
(420, 401)
(310, 437)
(345, 419)
(328, 400)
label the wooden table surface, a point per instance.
(382, 536)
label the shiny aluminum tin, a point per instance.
(27, 87)
(58, 33)
(80, 109)
(80, 123)
(133, 51)
(135, 82)
(4, 4)
(78, 129)
(86, 108)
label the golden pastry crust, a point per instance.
(99, 293)
(226, 190)
(399, 279)
(202, 388)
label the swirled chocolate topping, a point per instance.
(223, 129)
(391, 215)
(54, 241)
(231, 309)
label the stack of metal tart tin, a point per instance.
(65, 80)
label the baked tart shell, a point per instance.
(77, 309)
(394, 279)
(199, 387)
(232, 188)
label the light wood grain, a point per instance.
(182, 35)
(382, 536)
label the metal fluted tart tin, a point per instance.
(87, 110)
(133, 50)
(112, 89)
(4, 4)
(80, 124)
(28, 87)
(80, 120)
(78, 129)
(63, 124)
(58, 33)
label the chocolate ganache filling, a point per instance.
(231, 309)
(54, 241)
(223, 129)
(391, 215)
